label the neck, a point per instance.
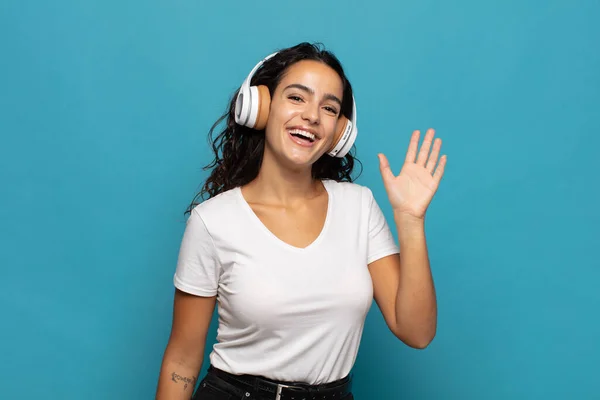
(277, 184)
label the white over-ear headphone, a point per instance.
(252, 110)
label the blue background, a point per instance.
(104, 111)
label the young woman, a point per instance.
(291, 249)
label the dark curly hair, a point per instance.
(239, 150)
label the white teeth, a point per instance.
(303, 133)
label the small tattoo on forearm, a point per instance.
(176, 377)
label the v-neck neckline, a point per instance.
(275, 238)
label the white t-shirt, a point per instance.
(286, 313)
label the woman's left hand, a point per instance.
(411, 192)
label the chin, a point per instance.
(300, 161)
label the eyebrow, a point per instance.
(328, 96)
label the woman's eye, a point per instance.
(331, 110)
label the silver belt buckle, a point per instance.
(279, 388)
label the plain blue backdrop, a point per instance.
(104, 111)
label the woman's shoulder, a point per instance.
(218, 205)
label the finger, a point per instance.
(384, 167)
(425, 147)
(433, 157)
(413, 145)
(439, 171)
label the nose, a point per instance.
(311, 113)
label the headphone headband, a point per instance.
(246, 82)
(251, 110)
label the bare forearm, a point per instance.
(416, 306)
(178, 375)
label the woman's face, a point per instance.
(304, 113)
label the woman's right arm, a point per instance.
(182, 360)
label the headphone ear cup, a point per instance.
(264, 106)
(340, 128)
(242, 105)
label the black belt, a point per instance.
(287, 391)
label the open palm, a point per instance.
(411, 192)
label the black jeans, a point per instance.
(213, 387)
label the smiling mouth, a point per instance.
(303, 135)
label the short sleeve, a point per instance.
(198, 267)
(381, 242)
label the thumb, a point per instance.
(384, 167)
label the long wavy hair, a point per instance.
(238, 150)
